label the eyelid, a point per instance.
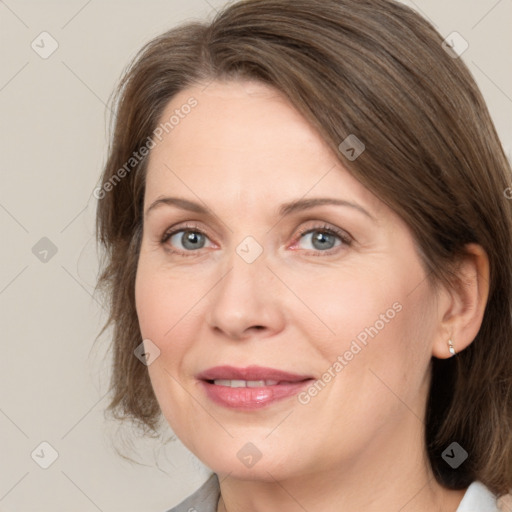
(341, 233)
(188, 226)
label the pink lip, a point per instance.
(289, 384)
(250, 373)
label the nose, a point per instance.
(246, 301)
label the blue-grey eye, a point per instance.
(321, 240)
(190, 240)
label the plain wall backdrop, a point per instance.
(60, 61)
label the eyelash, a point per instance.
(345, 238)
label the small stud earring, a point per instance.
(451, 347)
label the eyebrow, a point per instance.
(284, 209)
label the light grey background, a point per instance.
(53, 145)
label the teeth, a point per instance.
(245, 383)
(260, 383)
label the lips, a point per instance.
(250, 388)
(251, 373)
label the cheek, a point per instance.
(165, 313)
(168, 306)
(151, 303)
(372, 329)
(163, 303)
(346, 305)
(391, 364)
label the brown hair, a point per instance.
(375, 69)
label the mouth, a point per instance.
(244, 383)
(253, 387)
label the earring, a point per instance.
(451, 347)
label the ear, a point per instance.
(461, 308)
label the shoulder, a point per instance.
(478, 498)
(205, 499)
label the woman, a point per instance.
(340, 338)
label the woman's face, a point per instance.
(235, 277)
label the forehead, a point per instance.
(243, 139)
(235, 118)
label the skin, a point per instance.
(358, 444)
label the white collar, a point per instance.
(478, 498)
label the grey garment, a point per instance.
(205, 499)
(476, 499)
